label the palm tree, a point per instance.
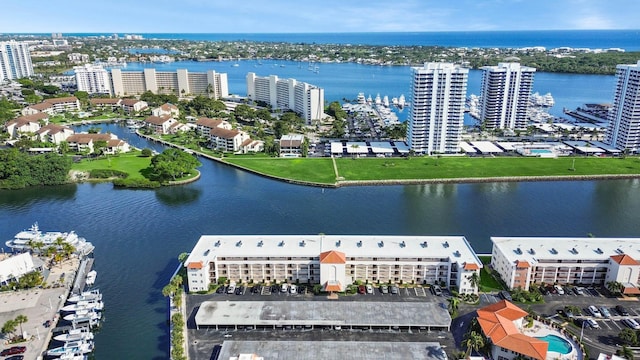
(615, 287)
(473, 342)
(21, 319)
(68, 249)
(625, 352)
(9, 327)
(453, 304)
(474, 279)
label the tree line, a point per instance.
(19, 170)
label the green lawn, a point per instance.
(464, 167)
(319, 170)
(130, 163)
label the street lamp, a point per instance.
(582, 330)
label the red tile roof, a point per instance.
(194, 265)
(157, 120)
(631, 290)
(224, 133)
(210, 123)
(105, 101)
(520, 264)
(334, 287)
(333, 257)
(497, 323)
(62, 100)
(470, 266)
(624, 259)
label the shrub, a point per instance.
(107, 173)
(136, 183)
(146, 152)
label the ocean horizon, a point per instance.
(592, 39)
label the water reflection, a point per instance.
(24, 197)
(178, 195)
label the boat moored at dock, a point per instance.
(33, 239)
(92, 295)
(78, 334)
(72, 348)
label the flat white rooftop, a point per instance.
(357, 147)
(584, 147)
(354, 350)
(533, 249)
(381, 147)
(467, 148)
(486, 147)
(336, 147)
(401, 146)
(455, 248)
(323, 313)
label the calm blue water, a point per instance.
(557, 344)
(139, 233)
(345, 81)
(602, 39)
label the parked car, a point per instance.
(632, 323)
(284, 288)
(622, 310)
(231, 289)
(293, 289)
(568, 312)
(13, 350)
(369, 289)
(362, 289)
(302, 289)
(240, 290)
(221, 289)
(505, 295)
(384, 289)
(15, 357)
(594, 311)
(394, 289)
(592, 323)
(544, 290)
(559, 289)
(605, 312)
(436, 290)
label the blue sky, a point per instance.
(295, 16)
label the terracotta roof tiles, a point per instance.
(333, 257)
(624, 259)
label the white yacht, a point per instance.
(83, 316)
(91, 277)
(95, 305)
(93, 295)
(36, 240)
(72, 348)
(78, 334)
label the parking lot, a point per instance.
(304, 292)
(202, 343)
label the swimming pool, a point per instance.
(557, 344)
(541, 151)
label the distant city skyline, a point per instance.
(287, 16)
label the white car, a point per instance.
(632, 323)
(592, 323)
(369, 289)
(559, 289)
(293, 289)
(284, 288)
(594, 311)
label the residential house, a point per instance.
(132, 106)
(166, 110)
(85, 142)
(160, 124)
(16, 266)
(26, 124)
(53, 133)
(501, 323)
(54, 106)
(223, 137)
(291, 145)
(111, 104)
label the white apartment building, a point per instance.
(436, 115)
(15, 60)
(335, 261)
(522, 261)
(305, 99)
(504, 97)
(180, 83)
(624, 117)
(93, 79)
